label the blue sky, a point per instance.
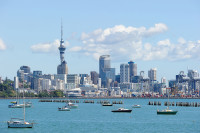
(154, 34)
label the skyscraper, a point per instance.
(152, 74)
(26, 69)
(106, 73)
(132, 69)
(104, 62)
(62, 68)
(124, 73)
(94, 77)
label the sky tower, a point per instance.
(62, 68)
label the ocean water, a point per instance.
(94, 118)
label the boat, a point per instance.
(16, 105)
(72, 105)
(166, 112)
(136, 106)
(106, 104)
(19, 123)
(122, 110)
(64, 108)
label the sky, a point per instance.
(154, 34)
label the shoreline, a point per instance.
(104, 98)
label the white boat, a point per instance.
(122, 110)
(136, 106)
(63, 109)
(19, 123)
(72, 105)
(16, 105)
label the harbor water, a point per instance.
(94, 118)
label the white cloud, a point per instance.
(75, 49)
(127, 43)
(47, 47)
(2, 45)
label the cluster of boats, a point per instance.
(21, 123)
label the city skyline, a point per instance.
(164, 36)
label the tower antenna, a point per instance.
(61, 29)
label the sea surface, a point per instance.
(94, 118)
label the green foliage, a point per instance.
(56, 93)
(6, 89)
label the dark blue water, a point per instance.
(94, 118)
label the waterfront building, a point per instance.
(46, 84)
(104, 62)
(124, 73)
(106, 73)
(82, 76)
(16, 83)
(152, 74)
(73, 78)
(94, 77)
(61, 77)
(132, 69)
(26, 69)
(62, 68)
(99, 83)
(48, 76)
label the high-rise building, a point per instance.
(193, 73)
(106, 73)
(94, 77)
(132, 69)
(152, 74)
(124, 73)
(20, 75)
(37, 74)
(82, 76)
(62, 68)
(26, 69)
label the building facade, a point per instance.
(124, 73)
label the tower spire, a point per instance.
(61, 29)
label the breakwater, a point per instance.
(185, 104)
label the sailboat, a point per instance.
(167, 111)
(16, 104)
(19, 123)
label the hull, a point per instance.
(122, 111)
(19, 106)
(63, 109)
(166, 113)
(136, 106)
(73, 107)
(19, 125)
(107, 105)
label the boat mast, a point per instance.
(23, 101)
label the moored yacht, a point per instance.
(19, 123)
(166, 112)
(72, 105)
(122, 110)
